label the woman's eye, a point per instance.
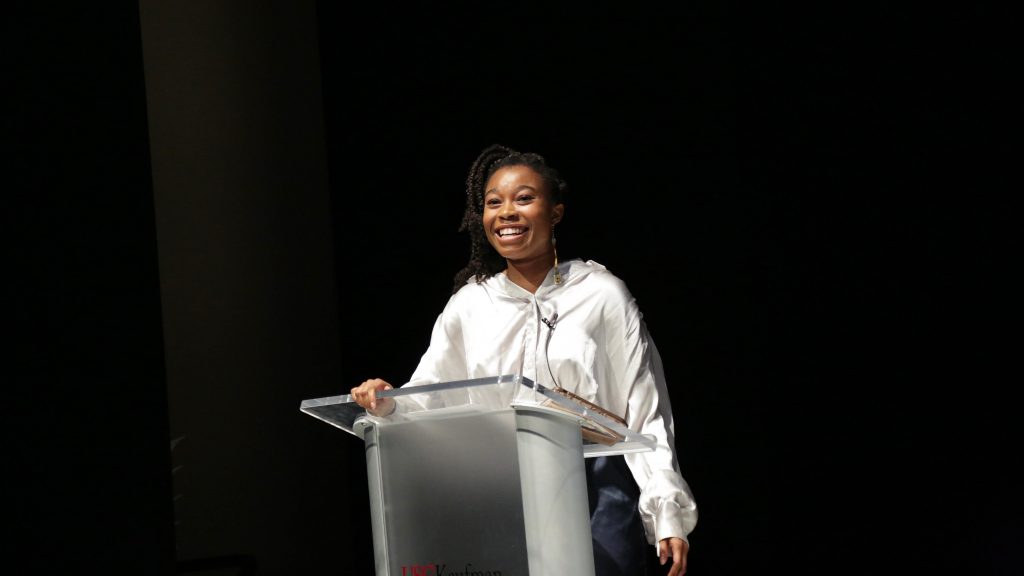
(524, 198)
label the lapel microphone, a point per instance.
(550, 323)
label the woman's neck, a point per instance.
(529, 274)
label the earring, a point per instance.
(554, 248)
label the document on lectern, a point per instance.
(593, 431)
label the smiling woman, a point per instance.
(519, 221)
(570, 326)
(516, 203)
(513, 202)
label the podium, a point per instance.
(482, 476)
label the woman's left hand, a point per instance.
(675, 548)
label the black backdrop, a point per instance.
(790, 195)
(784, 190)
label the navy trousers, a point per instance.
(620, 547)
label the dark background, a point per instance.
(804, 202)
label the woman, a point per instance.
(574, 325)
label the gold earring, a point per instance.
(554, 248)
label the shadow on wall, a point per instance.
(239, 565)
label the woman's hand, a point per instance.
(366, 396)
(676, 548)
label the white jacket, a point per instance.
(597, 346)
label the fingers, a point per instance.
(366, 393)
(372, 396)
(678, 567)
(387, 386)
(677, 549)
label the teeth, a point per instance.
(510, 231)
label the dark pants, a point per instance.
(620, 547)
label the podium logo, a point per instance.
(443, 570)
(420, 570)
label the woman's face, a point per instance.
(519, 215)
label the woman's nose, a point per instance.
(508, 210)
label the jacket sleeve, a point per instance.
(443, 361)
(667, 505)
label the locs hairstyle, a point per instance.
(484, 261)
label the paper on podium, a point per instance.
(593, 431)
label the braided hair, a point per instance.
(484, 260)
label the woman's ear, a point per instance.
(557, 213)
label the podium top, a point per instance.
(603, 435)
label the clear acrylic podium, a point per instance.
(480, 476)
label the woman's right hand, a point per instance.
(366, 396)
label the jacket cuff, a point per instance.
(669, 522)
